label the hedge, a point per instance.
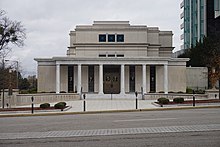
(60, 105)
(178, 100)
(45, 105)
(163, 100)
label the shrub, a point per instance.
(32, 90)
(52, 92)
(178, 100)
(24, 92)
(59, 106)
(163, 100)
(64, 103)
(189, 90)
(180, 92)
(45, 105)
(170, 92)
(62, 91)
(161, 92)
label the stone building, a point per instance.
(114, 57)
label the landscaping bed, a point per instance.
(27, 109)
(191, 101)
(43, 106)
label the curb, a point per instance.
(106, 111)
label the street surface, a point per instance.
(195, 127)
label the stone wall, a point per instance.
(25, 99)
(171, 96)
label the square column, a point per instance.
(166, 78)
(122, 79)
(57, 78)
(79, 79)
(144, 78)
(100, 79)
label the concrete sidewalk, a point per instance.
(108, 105)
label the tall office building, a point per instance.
(200, 18)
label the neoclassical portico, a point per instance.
(114, 57)
(122, 63)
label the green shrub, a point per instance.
(180, 92)
(32, 90)
(189, 90)
(64, 103)
(24, 92)
(163, 100)
(170, 92)
(52, 92)
(62, 91)
(45, 105)
(59, 106)
(161, 92)
(178, 100)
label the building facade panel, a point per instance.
(114, 57)
(46, 78)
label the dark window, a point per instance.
(120, 38)
(120, 55)
(132, 78)
(111, 55)
(70, 78)
(91, 78)
(102, 38)
(111, 38)
(152, 78)
(102, 55)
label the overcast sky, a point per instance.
(48, 22)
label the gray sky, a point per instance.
(48, 22)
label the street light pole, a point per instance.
(17, 79)
(17, 74)
(3, 84)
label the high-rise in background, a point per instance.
(200, 18)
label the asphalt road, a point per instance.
(147, 119)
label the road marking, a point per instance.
(118, 131)
(132, 120)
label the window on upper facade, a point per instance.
(120, 55)
(102, 38)
(120, 38)
(111, 55)
(111, 38)
(102, 55)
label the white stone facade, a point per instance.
(114, 57)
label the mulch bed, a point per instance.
(27, 109)
(197, 101)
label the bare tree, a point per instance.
(11, 32)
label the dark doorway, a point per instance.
(70, 78)
(111, 79)
(152, 78)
